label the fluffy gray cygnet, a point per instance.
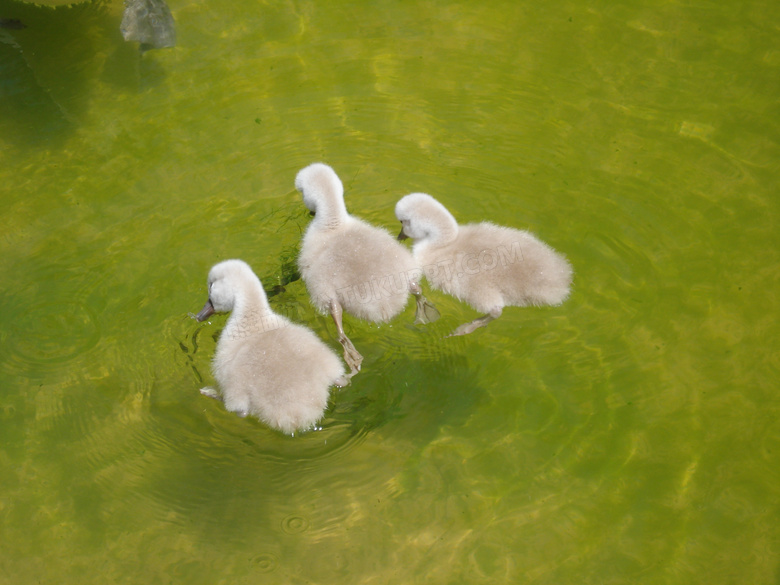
(351, 266)
(265, 365)
(485, 265)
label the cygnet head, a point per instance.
(323, 193)
(424, 218)
(228, 281)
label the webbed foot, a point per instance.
(426, 312)
(482, 321)
(210, 392)
(351, 356)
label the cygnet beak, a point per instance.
(402, 236)
(206, 311)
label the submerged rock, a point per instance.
(149, 22)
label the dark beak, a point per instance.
(402, 236)
(206, 312)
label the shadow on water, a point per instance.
(243, 476)
(229, 479)
(29, 114)
(50, 59)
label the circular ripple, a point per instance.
(48, 334)
(265, 563)
(294, 524)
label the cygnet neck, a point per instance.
(251, 312)
(442, 228)
(331, 212)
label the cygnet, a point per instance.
(351, 266)
(485, 265)
(264, 364)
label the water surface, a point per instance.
(628, 436)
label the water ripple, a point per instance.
(295, 524)
(265, 563)
(48, 333)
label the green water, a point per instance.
(629, 436)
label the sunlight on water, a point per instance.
(628, 436)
